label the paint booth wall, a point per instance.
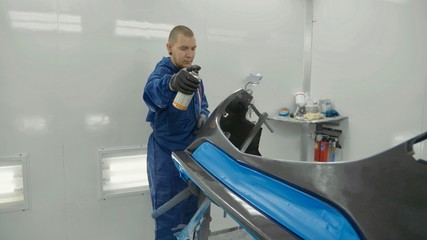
(370, 58)
(71, 78)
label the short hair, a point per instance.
(180, 29)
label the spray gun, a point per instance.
(182, 100)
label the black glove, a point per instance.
(184, 82)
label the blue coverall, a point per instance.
(173, 130)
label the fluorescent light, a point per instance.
(7, 184)
(126, 179)
(13, 183)
(5, 175)
(122, 171)
(7, 189)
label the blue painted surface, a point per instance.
(297, 211)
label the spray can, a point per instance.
(182, 100)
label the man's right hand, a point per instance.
(184, 82)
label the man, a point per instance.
(173, 129)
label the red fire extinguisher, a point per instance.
(324, 147)
(321, 148)
(317, 151)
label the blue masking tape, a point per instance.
(303, 214)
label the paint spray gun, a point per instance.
(182, 100)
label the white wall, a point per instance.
(370, 58)
(71, 77)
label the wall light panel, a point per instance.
(122, 171)
(14, 183)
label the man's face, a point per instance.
(183, 51)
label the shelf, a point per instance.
(307, 130)
(332, 120)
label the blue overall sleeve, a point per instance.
(205, 104)
(157, 94)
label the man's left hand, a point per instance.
(200, 122)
